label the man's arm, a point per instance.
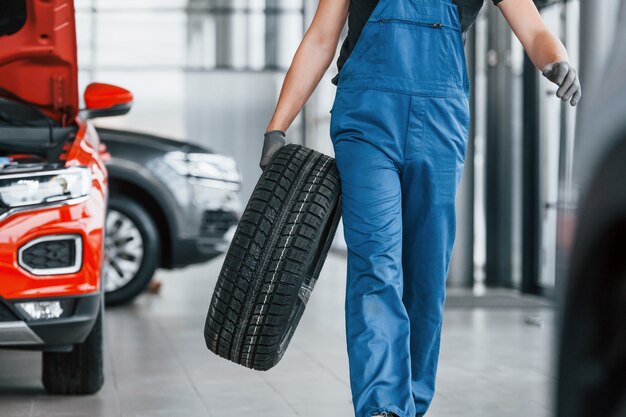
(312, 59)
(545, 50)
(314, 56)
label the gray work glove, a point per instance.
(564, 75)
(274, 140)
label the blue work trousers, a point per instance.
(399, 129)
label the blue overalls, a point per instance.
(399, 128)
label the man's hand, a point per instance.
(545, 50)
(274, 140)
(564, 75)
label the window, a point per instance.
(12, 16)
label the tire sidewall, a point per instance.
(255, 262)
(151, 244)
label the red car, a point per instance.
(53, 195)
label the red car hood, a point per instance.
(38, 62)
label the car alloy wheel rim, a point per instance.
(124, 250)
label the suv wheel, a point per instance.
(132, 250)
(79, 371)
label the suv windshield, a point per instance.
(12, 16)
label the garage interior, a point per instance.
(495, 360)
(208, 72)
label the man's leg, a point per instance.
(377, 324)
(433, 162)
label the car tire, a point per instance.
(79, 372)
(136, 218)
(592, 352)
(275, 258)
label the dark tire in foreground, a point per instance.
(275, 258)
(592, 359)
(133, 246)
(79, 372)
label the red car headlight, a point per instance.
(29, 189)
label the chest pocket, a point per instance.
(421, 46)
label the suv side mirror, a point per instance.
(106, 100)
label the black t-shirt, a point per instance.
(360, 11)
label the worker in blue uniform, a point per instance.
(399, 128)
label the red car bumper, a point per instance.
(82, 222)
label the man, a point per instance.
(399, 128)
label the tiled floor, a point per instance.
(495, 362)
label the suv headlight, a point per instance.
(204, 165)
(19, 190)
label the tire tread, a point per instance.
(293, 211)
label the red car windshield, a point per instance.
(12, 16)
